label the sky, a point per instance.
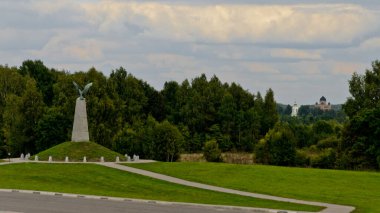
(301, 49)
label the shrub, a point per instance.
(326, 159)
(302, 158)
(278, 147)
(330, 142)
(212, 152)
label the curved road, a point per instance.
(15, 202)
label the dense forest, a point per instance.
(129, 116)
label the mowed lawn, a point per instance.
(355, 188)
(99, 180)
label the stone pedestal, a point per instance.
(80, 127)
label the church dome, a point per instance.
(322, 99)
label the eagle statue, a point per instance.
(84, 91)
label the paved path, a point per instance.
(32, 202)
(330, 208)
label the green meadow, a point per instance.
(355, 188)
(94, 179)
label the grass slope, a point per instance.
(77, 150)
(98, 180)
(359, 189)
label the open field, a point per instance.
(98, 180)
(359, 189)
(77, 150)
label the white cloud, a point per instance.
(45, 7)
(86, 50)
(295, 54)
(346, 68)
(304, 49)
(371, 44)
(261, 68)
(169, 61)
(66, 45)
(304, 24)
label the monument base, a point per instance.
(80, 127)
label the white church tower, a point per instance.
(295, 110)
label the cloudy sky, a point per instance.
(300, 49)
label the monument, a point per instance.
(80, 126)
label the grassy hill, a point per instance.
(359, 189)
(77, 150)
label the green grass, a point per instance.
(77, 150)
(98, 180)
(359, 189)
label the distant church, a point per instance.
(323, 105)
(294, 110)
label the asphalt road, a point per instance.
(15, 202)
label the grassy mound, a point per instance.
(77, 150)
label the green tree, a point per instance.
(212, 152)
(169, 94)
(227, 115)
(270, 115)
(42, 75)
(127, 141)
(278, 147)
(288, 110)
(360, 147)
(52, 129)
(168, 142)
(21, 117)
(364, 89)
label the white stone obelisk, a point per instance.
(80, 127)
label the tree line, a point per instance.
(126, 114)
(129, 116)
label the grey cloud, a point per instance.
(73, 38)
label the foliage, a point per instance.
(167, 142)
(360, 147)
(331, 186)
(212, 152)
(270, 111)
(93, 179)
(126, 114)
(51, 129)
(278, 147)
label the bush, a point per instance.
(325, 160)
(261, 153)
(302, 158)
(278, 147)
(212, 152)
(330, 142)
